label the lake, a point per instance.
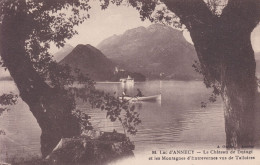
(177, 121)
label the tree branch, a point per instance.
(241, 12)
(192, 13)
(13, 32)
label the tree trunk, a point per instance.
(238, 91)
(228, 58)
(51, 108)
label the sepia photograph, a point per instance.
(129, 82)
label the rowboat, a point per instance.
(144, 98)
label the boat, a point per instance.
(144, 98)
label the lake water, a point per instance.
(177, 121)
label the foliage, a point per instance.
(78, 86)
(157, 11)
(7, 99)
(216, 6)
(153, 10)
(116, 109)
(209, 84)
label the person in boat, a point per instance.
(124, 93)
(139, 93)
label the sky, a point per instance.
(105, 23)
(116, 20)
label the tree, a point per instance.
(24, 30)
(27, 29)
(223, 46)
(227, 59)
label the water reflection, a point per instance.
(176, 121)
(22, 131)
(127, 86)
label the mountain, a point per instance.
(63, 52)
(153, 51)
(90, 61)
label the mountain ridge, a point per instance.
(152, 51)
(62, 53)
(91, 61)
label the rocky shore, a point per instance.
(92, 147)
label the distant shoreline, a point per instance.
(10, 79)
(110, 82)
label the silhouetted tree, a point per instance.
(27, 29)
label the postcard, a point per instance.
(129, 82)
